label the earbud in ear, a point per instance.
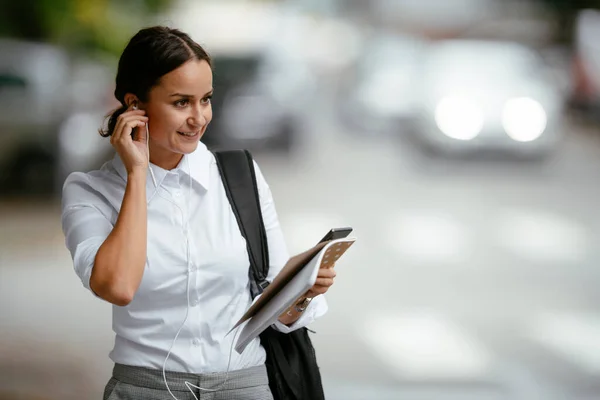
(135, 105)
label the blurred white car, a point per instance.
(488, 96)
(381, 94)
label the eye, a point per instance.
(181, 103)
(207, 99)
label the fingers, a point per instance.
(325, 277)
(141, 134)
(317, 290)
(124, 134)
(128, 121)
(325, 282)
(326, 273)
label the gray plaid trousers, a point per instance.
(138, 383)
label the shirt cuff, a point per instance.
(84, 259)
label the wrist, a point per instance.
(137, 173)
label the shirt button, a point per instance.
(195, 303)
(196, 342)
(177, 193)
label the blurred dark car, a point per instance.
(247, 111)
(32, 98)
(585, 95)
(51, 106)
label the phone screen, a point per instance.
(336, 233)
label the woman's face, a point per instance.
(179, 110)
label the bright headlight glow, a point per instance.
(524, 119)
(459, 118)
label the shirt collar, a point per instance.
(199, 163)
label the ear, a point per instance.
(131, 99)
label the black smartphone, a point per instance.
(336, 233)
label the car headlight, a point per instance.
(459, 118)
(524, 119)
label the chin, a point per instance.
(188, 148)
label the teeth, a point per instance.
(188, 133)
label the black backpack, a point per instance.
(291, 361)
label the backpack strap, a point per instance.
(239, 179)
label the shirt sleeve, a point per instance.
(84, 224)
(278, 254)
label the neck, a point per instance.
(167, 160)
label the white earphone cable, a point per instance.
(187, 311)
(188, 255)
(148, 148)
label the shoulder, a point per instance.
(264, 191)
(91, 187)
(261, 181)
(257, 169)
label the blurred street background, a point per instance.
(460, 139)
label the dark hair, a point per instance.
(150, 54)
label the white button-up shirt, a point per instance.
(215, 264)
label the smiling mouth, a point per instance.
(188, 134)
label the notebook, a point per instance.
(297, 276)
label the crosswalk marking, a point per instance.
(542, 236)
(421, 345)
(574, 336)
(429, 236)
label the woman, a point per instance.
(152, 232)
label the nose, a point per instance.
(196, 117)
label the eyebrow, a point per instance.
(190, 95)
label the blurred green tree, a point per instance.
(565, 12)
(85, 25)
